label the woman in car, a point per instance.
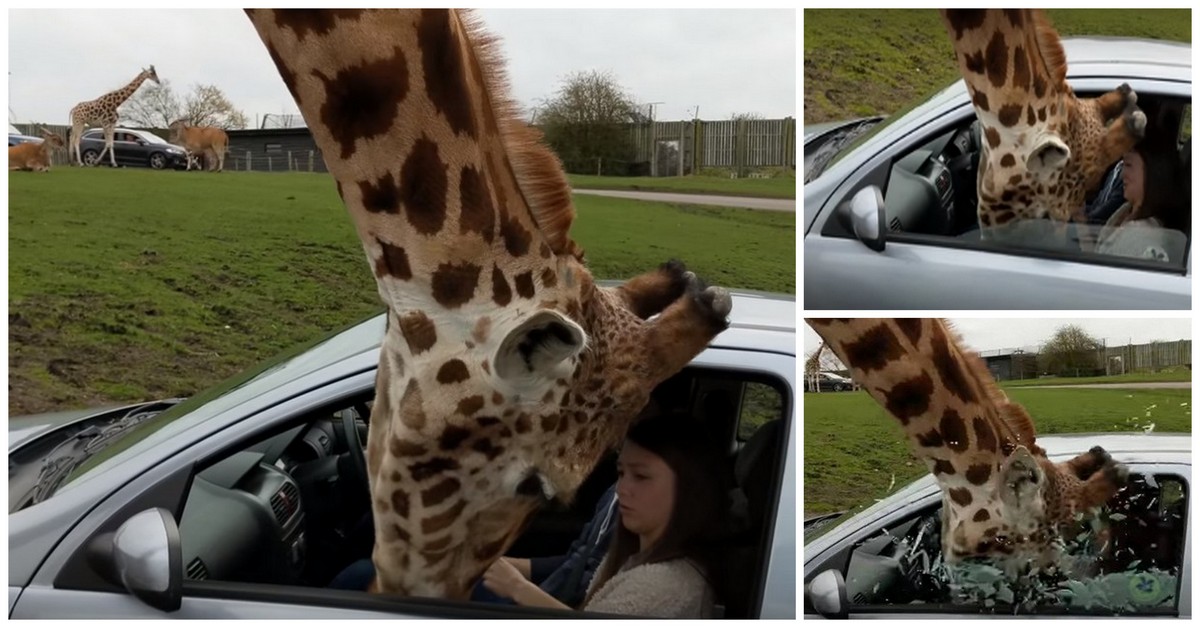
(1156, 217)
(673, 508)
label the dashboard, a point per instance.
(931, 190)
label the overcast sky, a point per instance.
(722, 61)
(989, 334)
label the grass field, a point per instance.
(861, 62)
(784, 187)
(852, 449)
(133, 284)
(1179, 374)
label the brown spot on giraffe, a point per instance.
(980, 100)
(954, 430)
(985, 437)
(400, 503)
(452, 437)
(979, 474)
(454, 284)
(470, 405)
(439, 522)
(442, 57)
(419, 331)
(874, 350)
(478, 214)
(950, 368)
(405, 449)
(439, 493)
(422, 471)
(393, 262)
(485, 447)
(516, 237)
(360, 100)
(549, 278)
(501, 292)
(961, 496)
(981, 515)
(993, 137)
(452, 372)
(382, 196)
(524, 284)
(412, 411)
(424, 185)
(932, 438)
(997, 60)
(309, 22)
(943, 467)
(1010, 114)
(1021, 77)
(909, 398)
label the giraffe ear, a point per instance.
(539, 347)
(1021, 479)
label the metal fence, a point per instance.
(284, 161)
(740, 146)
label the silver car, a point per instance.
(243, 501)
(884, 562)
(890, 222)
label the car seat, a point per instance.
(754, 469)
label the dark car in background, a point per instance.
(826, 382)
(133, 148)
(15, 137)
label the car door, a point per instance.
(129, 149)
(912, 270)
(66, 585)
(892, 568)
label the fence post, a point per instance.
(310, 160)
(270, 167)
(248, 161)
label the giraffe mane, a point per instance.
(1012, 414)
(538, 170)
(1050, 50)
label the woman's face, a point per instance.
(1133, 176)
(645, 492)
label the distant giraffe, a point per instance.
(103, 112)
(505, 373)
(812, 368)
(1043, 148)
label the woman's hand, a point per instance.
(503, 578)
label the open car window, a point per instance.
(1125, 560)
(931, 198)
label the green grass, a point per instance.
(860, 62)
(852, 448)
(782, 187)
(133, 284)
(1177, 374)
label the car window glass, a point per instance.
(760, 403)
(1125, 560)
(931, 192)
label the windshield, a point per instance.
(832, 146)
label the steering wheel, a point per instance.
(358, 459)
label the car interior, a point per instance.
(932, 190)
(293, 508)
(1136, 542)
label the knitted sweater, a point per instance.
(673, 589)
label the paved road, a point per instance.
(772, 204)
(1135, 385)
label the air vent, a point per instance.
(895, 225)
(197, 570)
(943, 182)
(285, 502)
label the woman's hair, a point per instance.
(699, 524)
(1164, 193)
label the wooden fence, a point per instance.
(741, 146)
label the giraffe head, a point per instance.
(151, 74)
(1044, 149)
(506, 372)
(1002, 497)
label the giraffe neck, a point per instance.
(123, 94)
(469, 183)
(953, 415)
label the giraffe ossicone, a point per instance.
(506, 372)
(102, 112)
(1002, 497)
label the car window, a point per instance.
(1125, 560)
(931, 198)
(761, 403)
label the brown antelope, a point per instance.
(205, 140)
(34, 156)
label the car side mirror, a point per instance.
(864, 217)
(827, 594)
(141, 142)
(145, 557)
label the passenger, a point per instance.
(664, 559)
(1155, 205)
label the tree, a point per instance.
(1071, 352)
(586, 122)
(157, 106)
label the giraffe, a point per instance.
(505, 372)
(1001, 496)
(103, 112)
(1044, 148)
(812, 367)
